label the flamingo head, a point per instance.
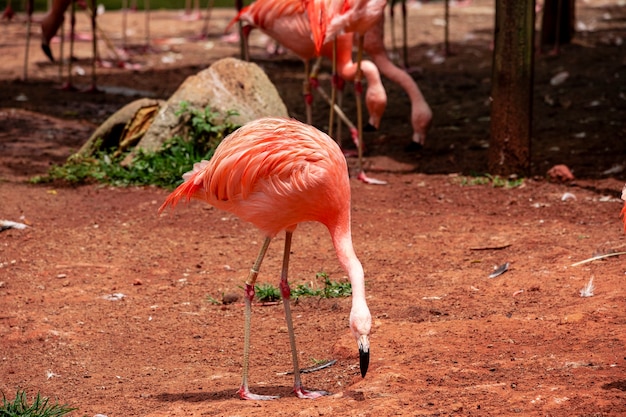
(421, 117)
(360, 325)
(376, 102)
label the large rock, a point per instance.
(228, 84)
(111, 133)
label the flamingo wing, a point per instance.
(268, 167)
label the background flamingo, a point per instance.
(290, 23)
(276, 173)
(287, 22)
(338, 17)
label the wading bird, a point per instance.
(276, 173)
(301, 26)
(288, 23)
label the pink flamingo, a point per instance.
(337, 17)
(297, 26)
(421, 114)
(276, 173)
(287, 22)
(51, 23)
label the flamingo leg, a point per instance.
(94, 47)
(333, 94)
(392, 22)
(405, 49)
(340, 114)
(124, 18)
(358, 90)
(205, 26)
(358, 87)
(146, 6)
(306, 92)
(286, 293)
(29, 21)
(244, 391)
(68, 86)
(339, 131)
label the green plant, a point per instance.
(495, 180)
(304, 290)
(19, 407)
(212, 300)
(334, 289)
(267, 293)
(331, 289)
(163, 168)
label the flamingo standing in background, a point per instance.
(301, 27)
(287, 22)
(421, 114)
(357, 16)
(51, 23)
(276, 173)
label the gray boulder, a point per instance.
(228, 84)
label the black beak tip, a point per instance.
(364, 361)
(369, 128)
(414, 147)
(46, 50)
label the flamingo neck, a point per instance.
(342, 241)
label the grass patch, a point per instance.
(330, 289)
(163, 168)
(495, 181)
(267, 293)
(40, 407)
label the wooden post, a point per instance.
(512, 88)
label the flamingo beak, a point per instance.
(369, 128)
(364, 354)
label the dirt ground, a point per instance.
(446, 338)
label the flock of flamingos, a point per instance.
(276, 173)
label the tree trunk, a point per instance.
(512, 88)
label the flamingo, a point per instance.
(297, 26)
(276, 173)
(51, 23)
(421, 114)
(345, 16)
(286, 21)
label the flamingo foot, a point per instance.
(369, 180)
(306, 394)
(245, 394)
